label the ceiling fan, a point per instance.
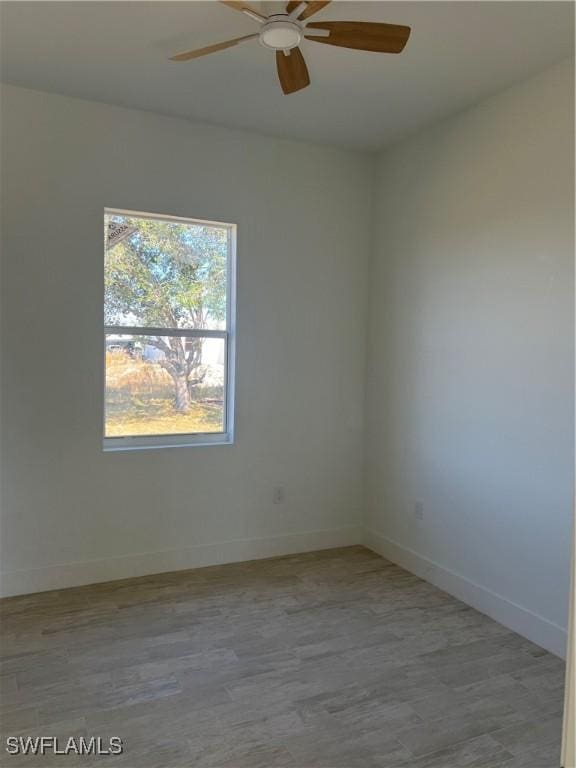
(283, 33)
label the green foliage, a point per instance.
(167, 275)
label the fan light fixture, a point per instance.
(280, 34)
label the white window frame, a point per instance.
(226, 437)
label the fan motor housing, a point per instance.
(281, 33)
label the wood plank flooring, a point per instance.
(333, 659)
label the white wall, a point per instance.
(470, 357)
(73, 514)
(470, 372)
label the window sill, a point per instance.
(116, 444)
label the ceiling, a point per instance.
(117, 52)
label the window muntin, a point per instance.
(168, 331)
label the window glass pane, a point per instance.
(164, 385)
(164, 274)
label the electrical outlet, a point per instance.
(419, 510)
(279, 494)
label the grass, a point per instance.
(160, 418)
(140, 401)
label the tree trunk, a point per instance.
(182, 393)
(175, 364)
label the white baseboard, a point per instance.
(23, 582)
(536, 628)
(516, 617)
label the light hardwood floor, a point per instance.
(335, 658)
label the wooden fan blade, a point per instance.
(363, 35)
(244, 8)
(187, 55)
(292, 70)
(312, 7)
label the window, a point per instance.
(169, 343)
